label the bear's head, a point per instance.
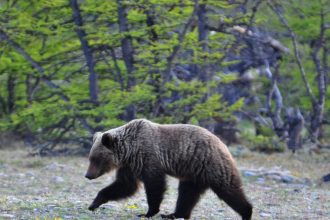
(101, 157)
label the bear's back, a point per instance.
(187, 150)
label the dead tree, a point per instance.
(294, 125)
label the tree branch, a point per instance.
(177, 47)
(41, 70)
(295, 46)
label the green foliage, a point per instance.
(267, 144)
(55, 102)
(266, 141)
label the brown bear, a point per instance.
(143, 151)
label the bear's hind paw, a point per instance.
(170, 216)
(144, 216)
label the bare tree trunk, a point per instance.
(93, 90)
(202, 39)
(275, 93)
(127, 51)
(11, 93)
(150, 13)
(126, 43)
(203, 68)
(295, 124)
(202, 26)
(28, 88)
(318, 107)
(31, 88)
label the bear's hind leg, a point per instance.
(236, 199)
(155, 186)
(189, 194)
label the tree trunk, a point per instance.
(126, 43)
(127, 51)
(93, 90)
(318, 106)
(150, 13)
(295, 123)
(202, 39)
(202, 26)
(158, 107)
(11, 93)
(317, 102)
(275, 93)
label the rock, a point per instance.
(21, 175)
(51, 206)
(3, 175)
(297, 190)
(261, 180)
(275, 177)
(287, 179)
(57, 179)
(274, 174)
(13, 199)
(54, 166)
(4, 215)
(264, 214)
(30, 174)
(248, 173)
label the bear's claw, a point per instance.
(170, 216)
(92, 207)
(144, 215)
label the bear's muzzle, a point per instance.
(92, 172)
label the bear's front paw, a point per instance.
(93, 206)
(99, 200)
(96, 203)
(143, 216)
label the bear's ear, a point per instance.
(108, 140)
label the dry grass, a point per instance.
(50, 188)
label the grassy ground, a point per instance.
(55, 188)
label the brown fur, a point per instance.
(145, 151)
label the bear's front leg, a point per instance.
(100, 199)
(124, 186)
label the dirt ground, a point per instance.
(55, 188)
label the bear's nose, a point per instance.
(88, 176)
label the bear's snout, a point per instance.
(89, 176)
(92, 172)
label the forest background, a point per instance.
(253, 72)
